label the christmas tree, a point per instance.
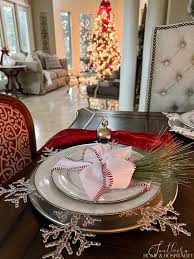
(104, 51)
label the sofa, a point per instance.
(38, 78)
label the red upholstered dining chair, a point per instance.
(17, 138)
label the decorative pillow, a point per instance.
(41, 56)
(64, 63)
(18, 57)
(29, 58)
(35, 56)
(52, 62)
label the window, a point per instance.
(10, 26)
(1, 44)
(1, 39)
(2, 75)
(1, 34)
(66, 25)
(85, 33)
(16, 30)
(85, 39)
(23, 17)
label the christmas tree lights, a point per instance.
(104, 51)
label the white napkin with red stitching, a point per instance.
(102, 168)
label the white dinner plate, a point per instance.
(188, 119)
(48, 190)
(68, 181)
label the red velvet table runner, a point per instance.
(71, 137)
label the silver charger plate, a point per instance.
(68, 181)
(48, 190)
(108, 223)
(187, 118)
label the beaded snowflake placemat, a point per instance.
(156, 218)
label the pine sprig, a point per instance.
(170, 160)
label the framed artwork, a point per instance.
(44, 32)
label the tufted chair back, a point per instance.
(17, 138)
(171, 78)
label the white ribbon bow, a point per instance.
(102, 168)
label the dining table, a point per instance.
(20, 236)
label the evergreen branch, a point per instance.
(170, 160)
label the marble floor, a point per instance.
(54, 111)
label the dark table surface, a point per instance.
(20, 237)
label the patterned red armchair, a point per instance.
(17, 138)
